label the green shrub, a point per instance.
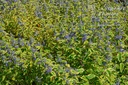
(62, 42)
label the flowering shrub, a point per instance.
(60, 42)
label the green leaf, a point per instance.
(18, 51)
(3, 78)
(81, 70)
(38, 47)
(13, 78)
(119, 57)
(53, 73)
(85, 79)
(91, 76)
(121, 67)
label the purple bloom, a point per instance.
(107, 37)
(67, 37)
(19, 40)
(116, 1)
(8, 51)
(33, 58)
(75, 0)
(38, 14)
(67, 70)
(57, 38)
(16, 46)
(59, 59)
(121, 50)
(117, 24)
(39, 62)
(118, 37)
(28, 43)
(13, 53)
(62, 32)
(95, 19)
(108, 58)
(14, 60)
(72, 34)
(33, 49)
(6, 63)
(38, 44)
(107, 48)
(22, 43)
(84, 37)
(117, 30)
(15, 0)
(32, 40)
(49, 70)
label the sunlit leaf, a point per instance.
(91, 76)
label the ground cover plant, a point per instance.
(63, 42)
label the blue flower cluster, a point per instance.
(60, 42)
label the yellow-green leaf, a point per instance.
(91, 76)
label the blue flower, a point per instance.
(33, 57)
(19, 40)
(22, 43)
(59, 59)
(33, 49)
(16, 46)
(72, 34)
(108, 58)
(122, 50)
(49, 70)
(116, 24)
(62, 32)
(67, 37)
(107, 48)
(67, 70)
(84, 38)
(38, 14)
(14, 60)
(118, 37)
(15, 0)
(57, 38)
(6, 64)
(39, 62)
(75, 0)
(32, 40)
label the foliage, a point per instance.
(61, 42)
